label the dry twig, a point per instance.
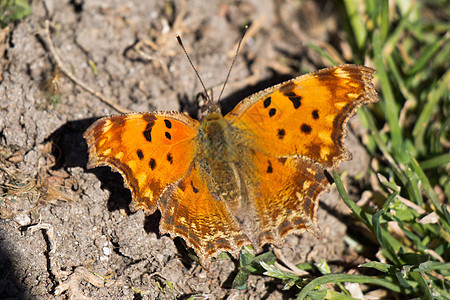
(291, 266)
(66, 72)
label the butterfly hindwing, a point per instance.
(204, 221)
(285, 197)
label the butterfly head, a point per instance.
(210, 109)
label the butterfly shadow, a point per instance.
(70, 149)
(354, 229)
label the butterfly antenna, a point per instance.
(180, 42)
(234, 60)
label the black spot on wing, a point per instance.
(148, 131)
(305, 128)
(168, 124)
(281, 133)
(272, 112)
(152, 163)
(269, 167)
(168, 136)
(315, 114)
(267, 102)
(169, 158)
(140, 154)
(194, 189)
(294, 98)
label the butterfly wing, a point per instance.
(285, 198)
(155, 153)
(204, 221)
(306, 116)
(297, 130)
(151, 150)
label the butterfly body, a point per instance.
(217, 140)
(248, 178)
(224, 162)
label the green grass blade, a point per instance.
(399, 79)
(389, 243)
(384, 20)
(390, 107)
(427, 54)
(356, 22)
(357, 211)
(419, 278)
(445, 128)
(425, 116)
(413, 185)
(334, 278)
(321, 52)
(383, 236)
(435, 162)
(433, 265)
(395, 36)
(384, 149)
(425, 183)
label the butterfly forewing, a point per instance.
(151, 150)
(306, 116)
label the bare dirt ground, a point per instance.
(68, 231)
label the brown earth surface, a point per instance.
(68, 230)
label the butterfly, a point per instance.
(250, 177)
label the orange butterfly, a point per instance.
(248, 178)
